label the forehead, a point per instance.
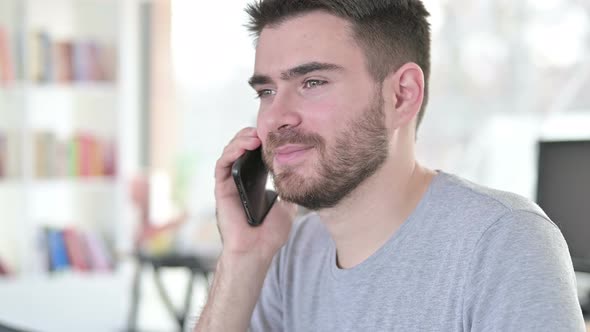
(315, 36)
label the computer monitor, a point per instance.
(563, 191)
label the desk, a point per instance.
(68, 301)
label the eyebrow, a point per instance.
(295, 72)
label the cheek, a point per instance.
(317, 115)
(328, 118)
(261, 130)
(320, 114)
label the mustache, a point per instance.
(292, 136)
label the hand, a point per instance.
(239, 238)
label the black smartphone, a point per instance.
(250, 175)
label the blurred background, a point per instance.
(113, 113)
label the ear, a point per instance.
(408, 94)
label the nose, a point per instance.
(280, 113)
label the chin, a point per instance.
(289, 184)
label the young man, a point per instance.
(393, 246)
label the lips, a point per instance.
(289, 154)
(286, 149)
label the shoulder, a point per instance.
(480, 208)
(503, 201)
(517, 252)
(504, 226)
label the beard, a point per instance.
(359, 150)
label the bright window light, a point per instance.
(209, 41)
(559, 42)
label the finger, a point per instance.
(232, 152)
(240, 144)
(245, 132)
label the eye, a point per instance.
(310, 84)
(264, 93)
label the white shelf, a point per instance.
(105, 110)
(107, 89)
(11, 87)
(10, 183)
(81, 87)
(90, 183)
(75, 184)
(66, 109)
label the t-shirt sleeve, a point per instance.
(521, 278)
(267, 315)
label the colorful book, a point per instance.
(64, 66)
(73, 158)
(68, 60)
(110, 159)
(46, 159)
(95, 66)
(98, 253)
(76, 249)
(34, 57)
(40, 57)
(107, 66)
(60, 158)
(13, 154)
(98, 160)
(46, 66)
(58, 255)
(84, 154)
(6, 63)
(40, 155)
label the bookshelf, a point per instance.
(68, 121)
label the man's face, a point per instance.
(321, 115)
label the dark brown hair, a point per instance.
(391, 32)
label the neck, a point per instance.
(364, 221)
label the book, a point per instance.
(98, 162)
(67, 61)
(107, 62)
(77, 249)
(13, 146)
(73, 157)
(41, 51)
(46, 66)
(58, 256)
(110, 159)
(84, 155)
(87, 153)
(64, 66)
(46, 154)
(34, 57)
(95, 63)
(99, 256)
(61, 156)
(6, 63)
(87, 61)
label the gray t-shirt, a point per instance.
(467, 259)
